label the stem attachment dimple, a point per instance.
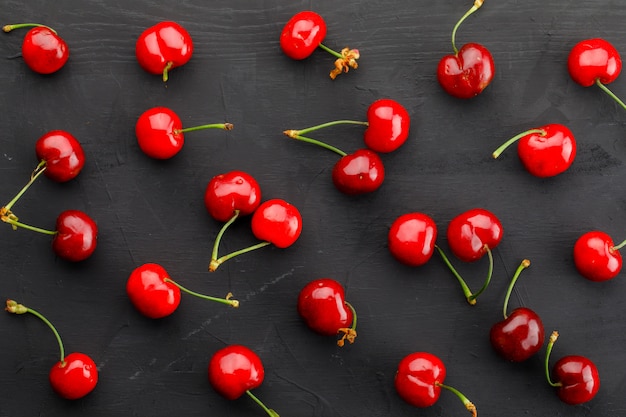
(619, 246)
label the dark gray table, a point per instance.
(152, 211)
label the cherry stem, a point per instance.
(469, 296)
(294, 135)
(514, 139)
(525, 264)
(476, 6)
(227, 300)
(41, 167)
(15, 308)
(327, 124)
(610, 93)
(269, 411)
(330, 51)
(223, 126)
(621, 245)
(468, 404)
(166, 70)
(9, 28)
(13, 222)
(348, 333)
(553, 337)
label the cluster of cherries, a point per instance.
(235, 370)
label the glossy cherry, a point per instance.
(43, 50)
(575, 377)
(544, 151)
(303, 34)
(155, 295)
(62, 155)
(235, 370)
(232, 193)
(412, 237)
(275, 222)
(468, 71)
(596, 257)
(419, 380)
(76, 236)
(323, 307)
(163, 47)
(160, 133)
(595, 61)
(73, 376)
(471, 235)
(521, 334)
(388, 126)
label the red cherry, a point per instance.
(596, 257)
(322, 306)
(575, 377)
(304, 33)
(76, 236)
(160, 132)
(595, 61)
(278, 222)
(412, 238)
(545, 151)
(468, 72)
(43, 50)
(388, 126)
(236, 370)
(162, 47)
(230, 193)
(62, 154)
(155, 295)
(360, 172)
(75, 377)
(472, 233)
(419, 380)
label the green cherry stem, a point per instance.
(621, 245)
(514, 139)
(553, 337)
(469, 295)
(9, 28)
(477, 4)
(610, 93)
(223, 126)
(294, 135)
(348, 333)
(41, 167)
(227, 300)
(523, 265)
(269, 411)
(16, 308)
(466, 402)
(330, 51)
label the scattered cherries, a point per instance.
(74, 375)
(412, 237)
(304, 33)
(419, 380)
(43, 50)
(468, 71)
(235, 370)
(596, 257)
(155, 295)
(323, 307)
(160, 133)
(163, 47)
(544, 151)
(595, 61)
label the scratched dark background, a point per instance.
(150, 211)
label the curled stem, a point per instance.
(226, 300)
(469, 295)
(523, 265)
(477, 4)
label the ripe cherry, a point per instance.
(388, 124)
(160, 132)
(43, 50)
(155, 295)
(575, 377)
(162, 47)
(230, 194)
(521, 334)
(74, 375)
(62, 155)
(412, 238)
(323, 307)
(596, 257)
(419, 380)
(304, 33)
(471, 235)
(275, 222)
(544, 151)
(595, 61)
(235, 370)
(468, 71)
